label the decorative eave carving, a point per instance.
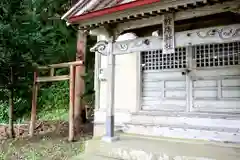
(100, 47)
(129, 46)
(139, 44)
(220, 34)
(223, 33)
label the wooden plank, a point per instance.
(197, 36)
(54, 78)
(62, 65)
(168, 44)
(71, 103)
(52, 72)
(145, 22)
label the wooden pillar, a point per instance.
(71, 103)
(34, 105)
(79, 82)
(110, 137)
(97, 82)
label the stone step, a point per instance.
(187, 132)
(133, 147)
(93, 157)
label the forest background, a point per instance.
(31, 34)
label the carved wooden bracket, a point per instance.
(136, 45)
(123, 47)
(100, 47)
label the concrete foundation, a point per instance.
(132, 147)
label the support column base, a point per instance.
(110, 139)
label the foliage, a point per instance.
(3, 112)
(53, 102)
(31, 33)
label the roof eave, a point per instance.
(102, 12)
(71, 10)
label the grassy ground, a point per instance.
(51, 146)
(42, 149)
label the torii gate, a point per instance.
(111, 49)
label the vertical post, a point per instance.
(188, 79)
(110, 137)
(96, 78)
(71, 103)
(79, 81)
(11, 130)
(52, 70)
(34, 105)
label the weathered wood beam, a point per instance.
(140, 23)
(71, 103)
(62, 65)
(52, 79)
(186, 11)
(52, 70)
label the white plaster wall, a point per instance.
(125, 82)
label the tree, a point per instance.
(31, 33)
(13, 61)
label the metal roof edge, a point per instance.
(72, 9)
(110, 10)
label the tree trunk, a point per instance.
(34, 106)
(11, 130)
(79, 82)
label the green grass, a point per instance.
(45, 148)
(57, 114)
(53, 146)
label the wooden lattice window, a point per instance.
(214, 55)
(156, 60)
